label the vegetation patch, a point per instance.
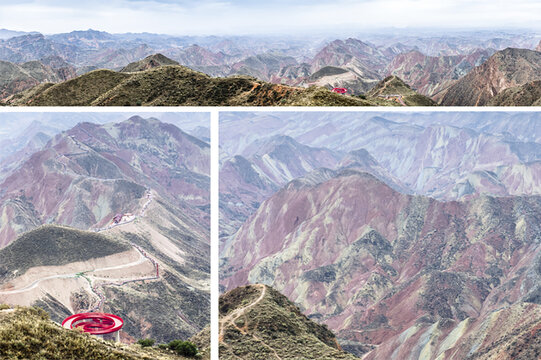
(52, 245)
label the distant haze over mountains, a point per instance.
(270, 17)
(429, 64)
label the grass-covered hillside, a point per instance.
(27, 333)
(388, 89)
(157, 80)
(257, 322)
(53, 245)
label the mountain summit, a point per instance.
(149, 62)
(394, 89)
(257, 322)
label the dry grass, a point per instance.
(27, 333)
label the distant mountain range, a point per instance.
(432, 66)
(157, 80)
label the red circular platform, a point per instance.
(94, 323)
(339, 90)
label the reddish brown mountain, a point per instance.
(246, 181)
(505, 69)
(348, 63)
(409, 274)
(86, 175)
(528, 94)
(341, 52)
(431, 74)
(18, 77)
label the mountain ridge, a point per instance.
(257, 321)
(156, 80)
(345, 272)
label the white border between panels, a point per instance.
(214, 234)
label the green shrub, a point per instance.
(185, 348)
(146, 342)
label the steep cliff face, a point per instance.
(375, 265)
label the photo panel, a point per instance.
(105, 229)
(379, 234)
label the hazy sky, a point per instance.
(13, 123)
(215, 17)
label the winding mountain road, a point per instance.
(115, 282)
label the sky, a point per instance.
(243, 17)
